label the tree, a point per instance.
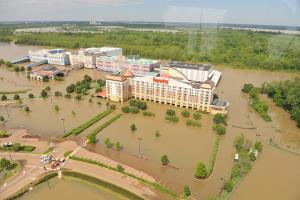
(112, 107)
(170, 112)
(3, 97)
(197, 116)
(108, 143)
(164, 160)
(239, 142)
(229, 185)
(118, 146)
(185, 113)
(78, 97)
(120, 168)
(16, 97)
(247, 88)
(30, 96)
(220, 130)
(132, 102)
(27, 109)
(58, 94)
(157, 134)
(29, 69)
(258, 146)
(70, 88)
(186, 191)
(44, 94)
(252, 156)
(200, 171)
(126, 109)
(87, 78)
(56, 108)
(91, 139)
(8, 64)
(17, 69)
(220, 119)
(132, 127)
(2, 118)
(22, 69)
(2, 62)
(48, 88)
(134, 110)
(141, 105)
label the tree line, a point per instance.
(234, 48)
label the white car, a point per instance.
(45, 160)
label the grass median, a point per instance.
(91, 137)
(155, 185)
(87, 124)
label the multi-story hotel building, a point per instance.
(170, 91)
(118, 87)
(54, 56)
(87, 57)
(136, 65)
(165, 90)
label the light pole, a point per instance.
(9, 153)
(63, 122)
(140, 139)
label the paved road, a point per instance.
(33, 169)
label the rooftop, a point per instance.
(204, 67)
(219, 103)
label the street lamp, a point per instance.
(140, 139)
(63, 122)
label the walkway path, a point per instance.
(34, 169)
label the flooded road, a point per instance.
(70, 188)
(185, 146)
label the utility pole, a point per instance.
(63, 122)
(139, 139)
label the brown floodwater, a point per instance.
(70, 188)
(185, 146)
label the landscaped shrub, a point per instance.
(197, 116)
(185, 113)
(58, 94)
(148, 113)
(134, 110)
(190, 122)
(173, 118)
(220, 130)
(170, 112)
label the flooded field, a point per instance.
(185, 146)
(70, 188)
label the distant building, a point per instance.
(87, 57)
(190, 72)
(93, 21)
(138, 66)
(54, 56)
(45, 72)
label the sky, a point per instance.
(265, 12)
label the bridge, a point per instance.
(20, 60)
(35, 64)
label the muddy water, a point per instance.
(70, 188)
(275, 176)
(185, 146)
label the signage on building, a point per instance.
(163, 81)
